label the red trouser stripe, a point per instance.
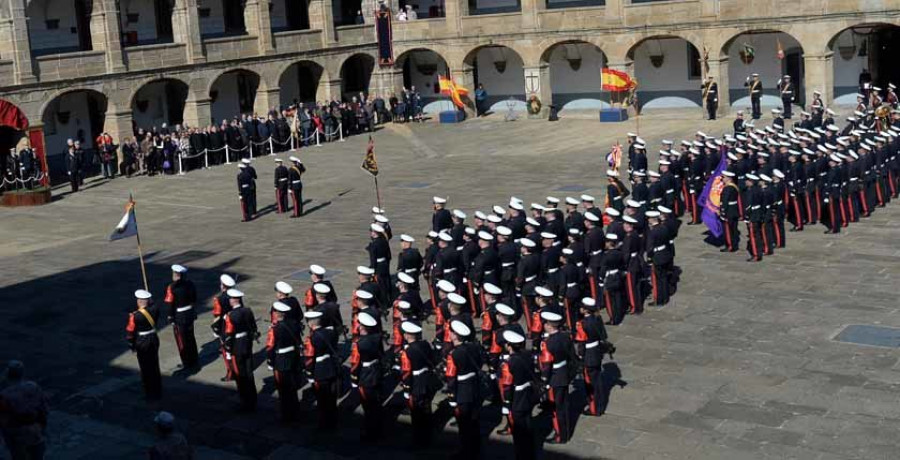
(278, 200)
(863, 201)
(797, 215)
(844, 221)
(753, 248)
(728, 236)
(834, 226)
(818, 205)
(631, 297)
(527, 312)
(609, 306)
(589, 390)
(778, 241)
(765, 238)
(593, 281)
(878, 193)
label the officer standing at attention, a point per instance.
(181, 295)
(754, 86)
(322, 368)
(141, 335)
(417, 378)
(729, 212)
(463, 365)
(281, 186)
(221, 307)
(283, 351)
(555, 361)
(711, 96)
(366, 373)
(409, 260)
(516, 386)
(240, 332)
(317, 276)
(590, 339)
(246, 192)
(296, 185)
(380, 260)
(786, 88)
(441, 219)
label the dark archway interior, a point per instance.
(8, 139)
(356, 73)
(883, 49)
(176, 95)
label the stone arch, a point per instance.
(764, 43)
(667, 69)
(356, 72)
(300, 81)
(501, 69)
(233, 92)
(158, 101)
(75, 113)
(575, 67)
(421, 67)
(865, 48)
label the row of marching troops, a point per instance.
(511, 304)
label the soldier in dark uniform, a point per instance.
(528, 270)
(463, 388)
(710, 91)
(380, 260)
(729, 212)
(240, 332)
(284, 348)
(555, 362)
(593, 247)
(615, 191)
(508, 254)
(281, 186)
(140, 332)
(331, 313)
(754, 215)
(221, 307)
(569, 287)
(417, 362)
(447, 263)
(591, 344)
(366, 373)
(181, 295)
(409, 260)
(441, 219)
(457, 310)
(283, 292)
(459, 227)
(517, 387)
(739, 125)
(574, 219)
(778, 211)
(322, 367)
(768, 200)
(491, 294)
(786, 88)
(246, 192)
(295, 174)
(811, 173)
(550, 260)
(832, 185)
(660, 257)
(754, 86)
(612, 271)
(317, 276)
(485, 269)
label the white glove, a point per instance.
(452, 404)
(504, 411)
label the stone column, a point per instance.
(454, 10)
(321, 17)
(259, 24)
(386, 81)
(266, 99)
(198, 112)
(466, 79)
(330, 90)
(16, 39)
(106, 33)
(537, 82)
(818, 75)
(118, 124)
(718, 69)
(186, 29)
(531, 13)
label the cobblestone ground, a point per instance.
(742, 364)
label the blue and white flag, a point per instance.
(127, 227)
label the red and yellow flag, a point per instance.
(456, 93)
(615, 80)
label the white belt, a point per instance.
(507, 264)
(410, 270)
(613, 272)
(464, 377)
(449, 270)
(284, 350)
(421, 371)
(530, 278)
(380, 260)
(571, 284)
(755, 207)
(659, 248)
(245, 186)
(617, 198)
(779, 202)
(143, 333)
(240, 335)
(559, 364)
(295, 181)
(504, 357)
(282, 179)
(594, 253)
(732, 203)
(633, 254)
(670, 191)
(184, 309)
(854, 179)
(591, 344)
(460, 248)
(369, 363)
(319, 359)
(488, 272)
(579, 264)
(552, 270)
(523, 386)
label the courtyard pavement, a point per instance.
(740, 365)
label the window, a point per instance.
(695, 68)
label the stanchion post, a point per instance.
(227, 156)
(293, 142)
(205, 158)
(341, 131)
(318, 140)
(181, 163)
(250, 147)
(271, 146)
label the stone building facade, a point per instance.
(118, 76)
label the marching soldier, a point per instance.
(754, 216)
(768, 201)
(612, 270)
(417, 362)
(140, 332)
(221, 307)
(283, 292)
(555, 361)
(574, 219)
(569, 286)
(711, 96)
(284, 348)
(516, 386)
(778, 215)
(755, 88)
(463, 388)
(485, 270)
(331, 313)
(247, 193)
(295, 175)
(786, 88)
(833, 194)
(729, 212)
(240, 332)
(739, 125)
(181, 295)
(380, 260)
(281, 186)
(529, 268)
(591, 344)
(366, 373)
(660, 257)
(633, 251)
(508, 254)
(322, 368)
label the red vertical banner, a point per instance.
(36, 137)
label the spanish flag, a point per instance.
(449, 88)
(614, 80)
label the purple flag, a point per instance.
(710, 200)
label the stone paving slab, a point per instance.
(741, 365)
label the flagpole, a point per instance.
(377, 192)
(140, 250)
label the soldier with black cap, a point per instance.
(281, 186)
(140, 332)
(418, 380)
(729, 212)
(463, 388)
(366, 373)
(556, 363)
(295, 174)
(181, 295)
(284, 348)
(519, 395)
(380, 260)
(322, 367)
(240, 332)
(590, 345)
